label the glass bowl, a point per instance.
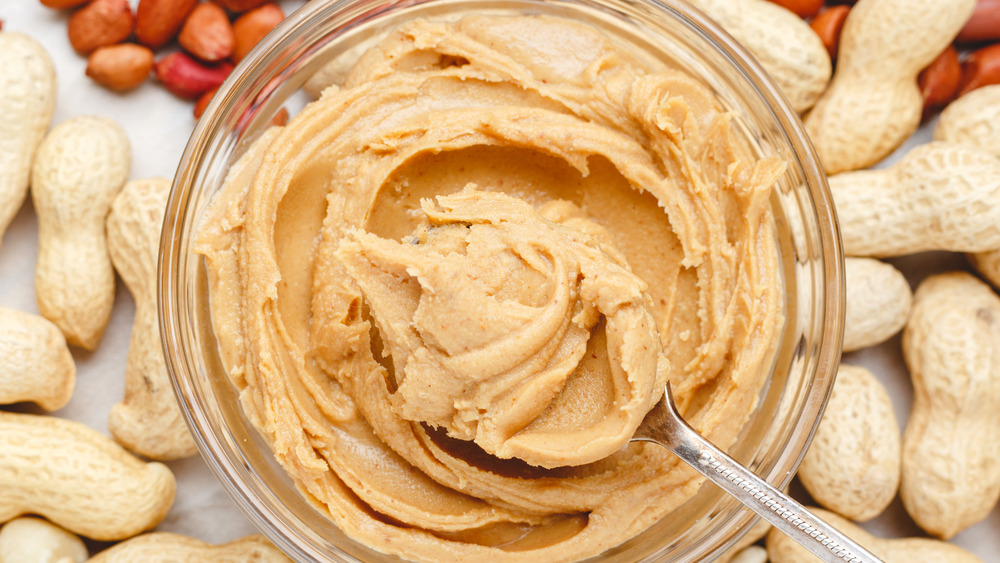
(272, 77)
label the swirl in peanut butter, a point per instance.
(451, 288)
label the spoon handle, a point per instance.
(668, 429)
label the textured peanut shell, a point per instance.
(940, 196)
(873, 103)
(79, 168)
(35, 363)
(781, 549)
(951, 445)
(34, 540)
(164, 547)
(852, 465)
(783, 43)
(148, 421)
(878, 302)
(973, 119)
(78, 478)
(27, 101)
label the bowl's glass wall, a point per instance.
(272, 77)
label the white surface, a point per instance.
(158, 125)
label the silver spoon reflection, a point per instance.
(663, 425)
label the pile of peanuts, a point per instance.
(212, 36)
(61, 480)
(864, 75)
(949, 75)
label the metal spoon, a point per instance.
(664, 425)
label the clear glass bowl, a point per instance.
(774, 440)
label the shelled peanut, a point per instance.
(941, 81)
(99, 24)
(980, 68)
(159, 21)
(207, 33)
(801, 8)
(984, 25)
(252, 26)
(187, 78)
(828, 24)
(121, 44)
(120, 67)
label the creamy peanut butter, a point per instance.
(451, 288)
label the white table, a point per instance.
(158, 125)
